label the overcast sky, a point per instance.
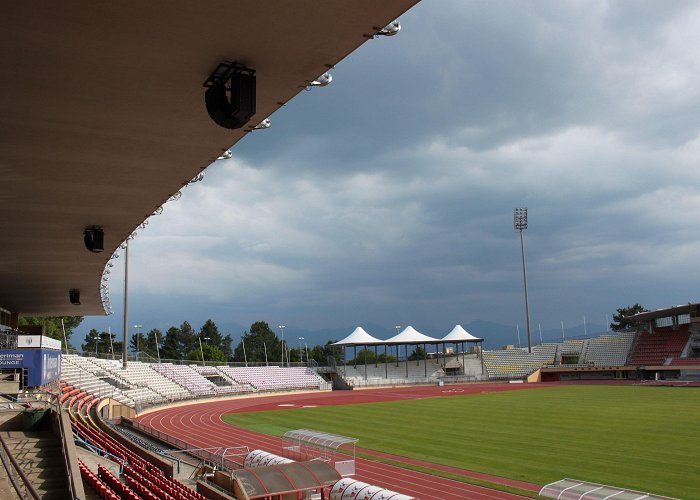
(387, 197)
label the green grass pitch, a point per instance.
(646, 438)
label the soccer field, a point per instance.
(647, 438)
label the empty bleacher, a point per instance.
(608, 350)
(146, 384)
(654, 348)
(518, 363)
(271, 378)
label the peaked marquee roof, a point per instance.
(359, 337)
(410, 335)
(459, 334)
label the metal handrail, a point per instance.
(64, 446)
(27, 484)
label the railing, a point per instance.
(27, 484)
(62, 423)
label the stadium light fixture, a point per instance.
(263, 124)
(390, 29)
(520, 224)
(322, 81)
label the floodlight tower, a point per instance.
(520, 224)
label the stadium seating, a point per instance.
(145, 384)
(608, 350)
(685, 361)
(193, 380)
(518, 363)
(655, 348)
(89, 477)
(269, 378)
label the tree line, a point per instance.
(259, 344)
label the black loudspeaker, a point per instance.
(74, 296)
(94, 239)
(232, 106)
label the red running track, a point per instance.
(200, 426)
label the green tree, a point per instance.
(385, 358)
(258, 341)
(364, 356)
(210, 334)
(172, 344)
(334, 351)
(188, 337)
(139, 343)
(91, 342)
(318, 354)
(107, 344)
(418, 354)
(53, 326)
(211, 353)
(99, 342)
(154, 335)
(621, 321)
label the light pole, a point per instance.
(137, 332)
(282, 327)
(201, 351)
(97, 337)
(520, 224)
(125, 347)
(245, 356)
(301, 352)
(155, 334)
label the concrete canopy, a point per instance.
(103, 118)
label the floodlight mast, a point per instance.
(520, 224)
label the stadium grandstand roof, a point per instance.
(103, 117)
(459, 334)
(692, 309)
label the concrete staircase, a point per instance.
(39, 455)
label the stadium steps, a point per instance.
(38, 454)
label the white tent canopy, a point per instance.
(411, 336)
(359, 337)
(459, 334)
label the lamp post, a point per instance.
(155, 334)
(301, 352)
(282, 327)
(520, 224)
(201, 351)
(97, 337)
(137, 329)
(125, 347)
